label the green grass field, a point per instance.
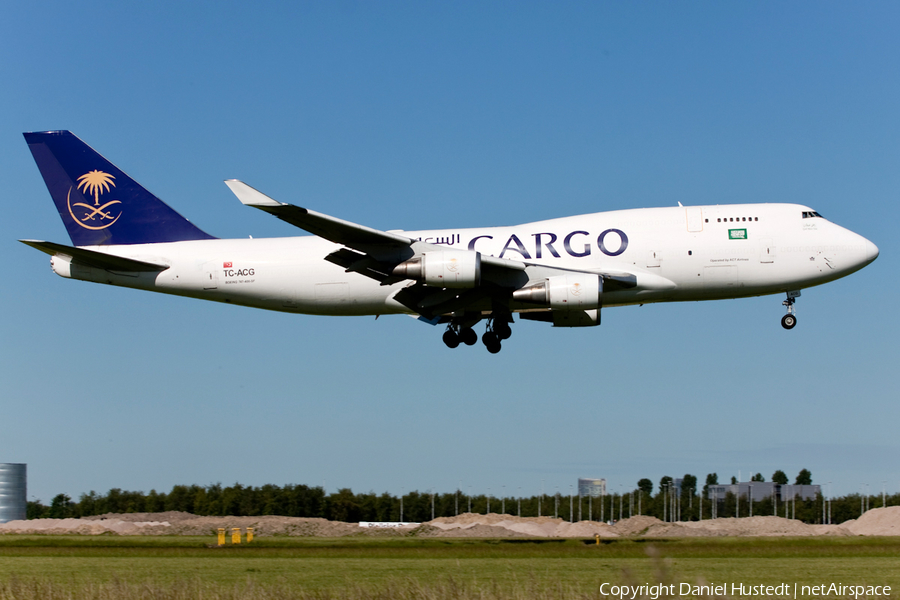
(426, 568)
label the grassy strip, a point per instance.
(417, 568)
(448, 589)
(450, 548)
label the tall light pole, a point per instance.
(750, 490)
(664, 489)
(774, 501)
(662, 493)
(602, 503)
(579, 505)
(862, 500)
(541, 499)
(620, 501)
(571, 511)
(829, 502)
(824, 502)
(612, 507)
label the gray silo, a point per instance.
(13, 492)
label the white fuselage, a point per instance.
(676, 254)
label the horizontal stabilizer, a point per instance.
(91, 258)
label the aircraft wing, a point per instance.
(380, 250)
(376, 254)
(339, 231)
(91, 258)
(331, 228)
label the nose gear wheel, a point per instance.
(789, 320)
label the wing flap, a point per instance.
(355, 262)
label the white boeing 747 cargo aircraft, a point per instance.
(560, 271)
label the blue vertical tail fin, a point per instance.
(100, 204)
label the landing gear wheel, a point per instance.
(502, 329)
(451, 339)
(468, 336)
(788, 321)
(491, 342)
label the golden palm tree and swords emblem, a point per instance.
(94, 183)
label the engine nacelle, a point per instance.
(576, 291)
(443, 268)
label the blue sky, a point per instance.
(425, 115)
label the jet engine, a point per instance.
(576, 291)
(443, 268)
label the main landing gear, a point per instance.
(497, 331)
(789, 320)
(457, 333)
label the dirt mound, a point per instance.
(467, 523)
(171, 516)
(469, 530)
(84, 527)
(743, 527)
(633, 526)
(266, 525)
(877, 521)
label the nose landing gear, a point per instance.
(789, 320)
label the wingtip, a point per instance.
(248, 195)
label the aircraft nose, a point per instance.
(871, 251)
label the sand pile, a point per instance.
(85, 527)
(175, 523)
(744, 527)
(879, 521)
(635, 526)
(172, 516)
(523, 526)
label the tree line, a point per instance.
(668, 503)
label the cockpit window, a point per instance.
(810, 214)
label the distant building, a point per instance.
(803, 492)
(594, 488)
(760, 490)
